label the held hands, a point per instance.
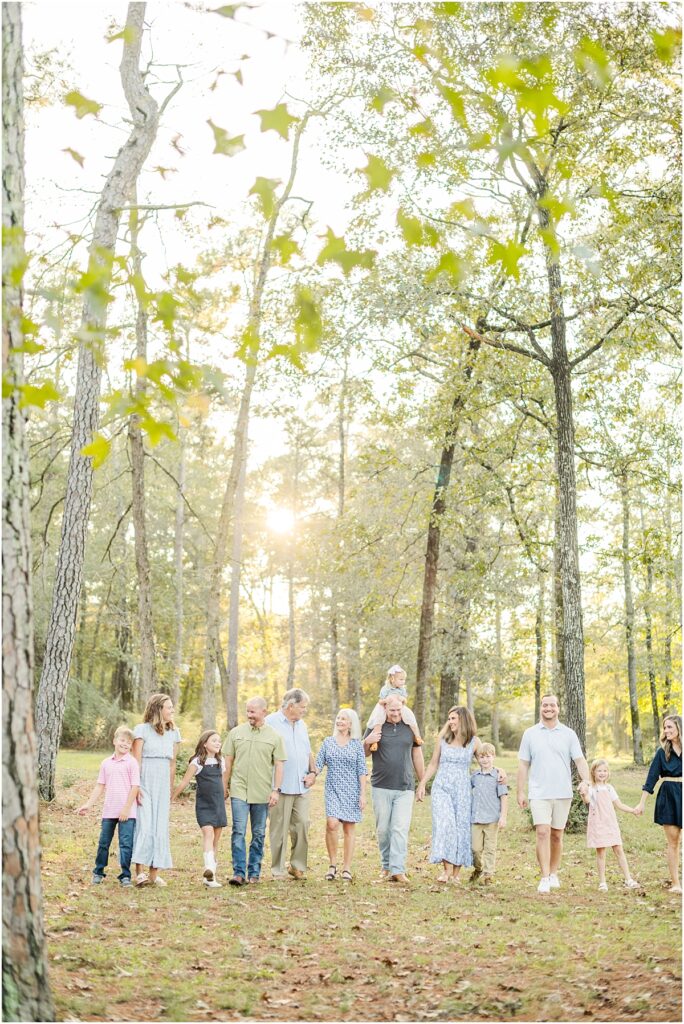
(311, 781)
(420, 792)
(638, 810)
(273, 798)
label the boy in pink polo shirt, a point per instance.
(119, 780)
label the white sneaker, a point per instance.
(632, 883)
(544, 885)
(160, 881)
(553, 882)
(603, 887)
(211, 883)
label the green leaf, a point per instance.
(308, 326)
(265, 188)
(139, 365)
(508, 254)
(556, 207)
(128, 34)
(505, 73)
(32, 395)
(424, 160)
(81, 104)
(277, 120)
(167, 305)
(227, 11)
(156, 430)
(223, 143)
(249, 345)
(591, 58)
(285, 247)
(336, 251)
(454, 268)
(382, 98)
(74, 155)
(667, 43)
(425, 127)
(378, 173)
(411, 228)
(98, 449)
(463, 208)
(455, 101)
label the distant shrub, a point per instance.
(90, 718)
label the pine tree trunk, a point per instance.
(178, 571)
(334, 667)
(148, 667)
(427, 610)
(648, 604)
(637, 747)
(669, 598)
(353, 634)
(25, 989)
(558, 653)
(69, 570)
(539, 645)
(498, 668)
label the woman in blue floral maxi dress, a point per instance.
(457, 744)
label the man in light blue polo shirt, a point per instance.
(546, 753)
(290, 816)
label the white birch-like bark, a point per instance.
(116, 194)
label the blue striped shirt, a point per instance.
(487, 793)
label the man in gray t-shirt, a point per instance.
(392, 783)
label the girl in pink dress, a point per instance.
(602, 826)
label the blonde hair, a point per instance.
(667, 745)
(123, 730)
(487, 748)
(596, 763)
(153, 712)
(468, 726)
(392, 671)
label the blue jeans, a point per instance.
(258, 816)
(126, 833)
(393, 809)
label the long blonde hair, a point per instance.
(667, 744)
(596, 763)
(467, 724)
(153, 713)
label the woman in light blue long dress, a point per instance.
(457, 744)
(155, 745)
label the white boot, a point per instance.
(209, 866)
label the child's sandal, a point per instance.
(332, 873)
(346, 876)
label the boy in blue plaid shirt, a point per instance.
(488, 814)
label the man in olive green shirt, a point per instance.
(255, 755)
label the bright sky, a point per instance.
(60, 193)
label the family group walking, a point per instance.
(268, 767)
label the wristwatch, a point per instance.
(276, 789)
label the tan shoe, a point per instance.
(402, 879)
(296, 873)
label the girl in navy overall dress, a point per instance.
(208, 769)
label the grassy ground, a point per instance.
(362, 951)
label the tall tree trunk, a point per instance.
(648, 604)
(334, 667)
(81, 633)
(498, 668)
(452, 672)
(561, 373)
(353, 635)
(637, 747)
(69, 570)
(669, 599)
(427, 610)
(25, 989)
(539, 645)
(148, 667)
(558, 629)
(290, 565)
(177, 671)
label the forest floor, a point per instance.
(366, 950)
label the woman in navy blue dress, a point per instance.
(667, 765)
(345, 787)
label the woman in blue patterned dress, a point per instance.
(345, 787)
(155, 746)
(457, 744)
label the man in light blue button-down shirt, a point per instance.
(291, 814)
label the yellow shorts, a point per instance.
(550, 812)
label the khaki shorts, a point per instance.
(550, 812)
